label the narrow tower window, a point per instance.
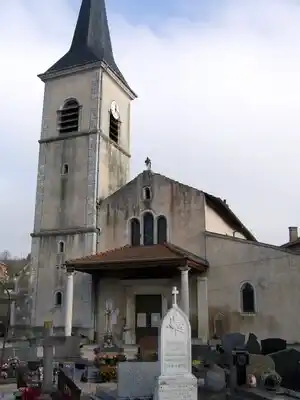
(148, 231)
(65, 169)
(247, 298)
(61, 247)
(147, 195)
(58, 299)
(162, 229)
(114, 128)
(135, 232)
(68, 117)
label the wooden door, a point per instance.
(148, 314)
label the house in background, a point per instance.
(294, 241)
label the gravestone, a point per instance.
(272, 345)
(253, 345)
(176, 380)
(287, 365)
(233, 341)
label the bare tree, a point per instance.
(5, 255)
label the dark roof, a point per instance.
(91, 41)
(140, 254)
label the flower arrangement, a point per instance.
(8, 367)
(108, 359)
(107, 364)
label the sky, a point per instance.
(218, 108)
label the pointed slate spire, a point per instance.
(91, 41)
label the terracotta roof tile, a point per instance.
(126, 254)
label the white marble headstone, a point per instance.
(176, 381)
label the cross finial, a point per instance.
(175, 292)
(148, 163)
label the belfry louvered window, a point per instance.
(68, 117)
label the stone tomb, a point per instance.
(176, 381)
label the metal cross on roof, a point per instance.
(148, 163)
(175, 292)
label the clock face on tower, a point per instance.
(114, 109)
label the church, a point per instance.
(104, 243)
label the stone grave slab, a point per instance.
(253, 346)
(232, 341)
(215, 379)
(66, 347)
(176, 380)
(272, 345)
(137, 379)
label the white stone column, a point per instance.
(13, 313)
(69, 303)
(185, 291)
(130, 329)
(202, 309)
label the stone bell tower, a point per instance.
(84, 155)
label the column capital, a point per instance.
(202, 278)
(184, 269)
(70, 269)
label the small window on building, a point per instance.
(135, 229)
(148, 229)
(68, 117)
(247, 298)
(162, 229)
(58, 299)
(114, 128)
(61, 247)
(65, 169)
(147, 193)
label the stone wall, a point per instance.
(275, 276)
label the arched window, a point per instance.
(135, 232)
(114, 128)
(58, 299)
(162, 229)
(148, 231)
(247, 298)
(68, 117)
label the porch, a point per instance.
(136, 282)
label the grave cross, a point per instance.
(108, 313)
(175, 292)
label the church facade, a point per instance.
(101, 241)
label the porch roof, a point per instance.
(132, 257)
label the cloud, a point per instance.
(218, 106)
